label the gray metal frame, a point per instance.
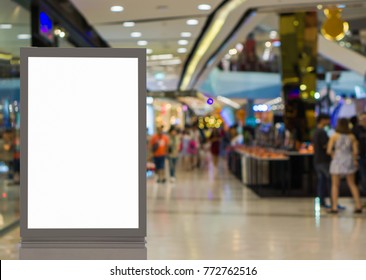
(82, 235)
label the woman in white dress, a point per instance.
(343, 148)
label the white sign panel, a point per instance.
(83, 143)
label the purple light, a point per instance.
(185, 108)
(210, 101)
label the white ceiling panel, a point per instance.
(98, 12)
(19, 19)
(160, 22)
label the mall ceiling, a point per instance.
(15, 28)
(14, 21)
(163, 24)
(164, 29)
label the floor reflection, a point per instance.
(213, 216)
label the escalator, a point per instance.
(343, 56)
(235, 18)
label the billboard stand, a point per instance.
(83, 153)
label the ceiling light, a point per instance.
(239, 47)
(233, 51)
(128, 24)
(136, 34)
(171, 62)
(24, 36)
(192, 22)
(183, 42)
(116, 9)
(228, 102)
(182, 50)
(204, 7)
(185, 34)
(161, 56)
(319, 7)
(149, 51)
(175, 61)
(273, 34)
(341, 6)
(142, 43)
(268, 44)
(6, 26)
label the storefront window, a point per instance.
(14, 34)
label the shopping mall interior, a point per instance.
(239, 89)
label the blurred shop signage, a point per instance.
(172, 94)
(260, 108)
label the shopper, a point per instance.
(215, 147)
(7, 149)
(322, 159)
(343, 148)
(185, 150)
(359, 130)
(174, 144)
(196, 146)
(159, 147)
(206, 153)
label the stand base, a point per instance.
(82, 251)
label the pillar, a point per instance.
(298, 34)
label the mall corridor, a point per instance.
(202, 216)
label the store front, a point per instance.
(15, 33)
(23, 25)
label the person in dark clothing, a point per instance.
(354, 123)
(322, 160)
(359, 130)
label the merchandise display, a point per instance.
(271, 172)
(262, 153)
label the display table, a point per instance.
(290, 174)
(302, 174)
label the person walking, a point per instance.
(322, 159)
(215, 148)
(343, 148)
(186, 151)
(196, 146)
(173, 151)
(159, 143)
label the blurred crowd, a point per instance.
(190, 148)
(10, 156)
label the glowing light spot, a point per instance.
(210, 101)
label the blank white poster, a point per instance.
(83, 143)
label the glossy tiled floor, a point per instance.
(203, 216)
